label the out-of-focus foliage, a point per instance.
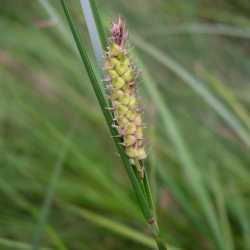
(196, 96)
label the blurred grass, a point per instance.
(44, 92)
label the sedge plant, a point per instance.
(122, 112)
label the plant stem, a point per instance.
(94, 79)
(140, 185)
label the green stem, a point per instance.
(141, 186)
(108, 117)
(152, 221)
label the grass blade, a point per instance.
(50, 193)
(113, 226)
(190, 170)
(220, 201)
(17, 245)
(203, 29)
(227, 94)
(26, 206)
(199, 88)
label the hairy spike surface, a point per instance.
(122, 92)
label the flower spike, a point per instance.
(124, 100)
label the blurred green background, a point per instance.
(62, 186)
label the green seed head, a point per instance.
(121, 73)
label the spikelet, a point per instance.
(121, 75)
